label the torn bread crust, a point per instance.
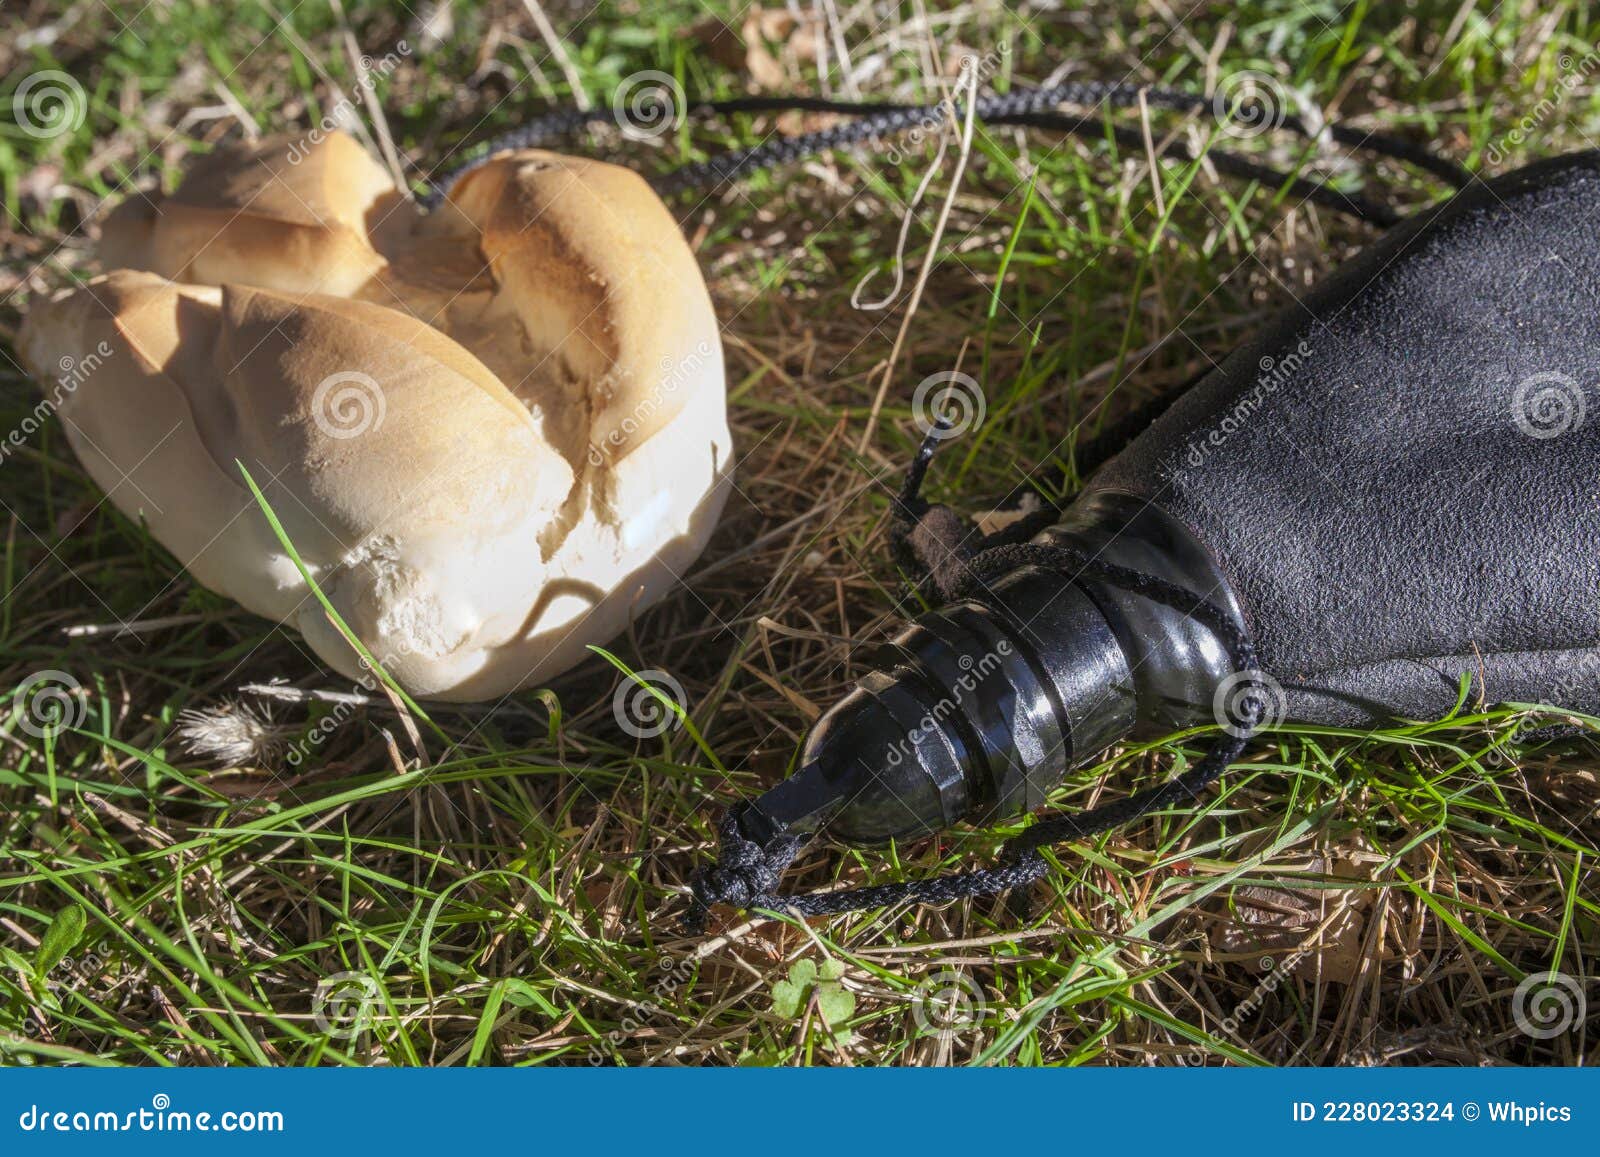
(503, 437)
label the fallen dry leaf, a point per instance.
(1574, 791)
(768, 47)
(1316, 933)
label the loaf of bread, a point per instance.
(493, 432)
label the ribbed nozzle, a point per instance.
(977, 711)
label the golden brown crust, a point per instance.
(298, 215)
(501, 435)
(622, 255)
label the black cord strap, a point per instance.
(746, 874)
(1234, 165)
(1029, 108)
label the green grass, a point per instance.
(507, 889)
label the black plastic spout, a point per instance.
(976, 711)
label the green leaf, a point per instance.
(483, 1038)
(60, 938)
(789, 996)
(762, 1058)
(524, 995)
(835, 1002)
